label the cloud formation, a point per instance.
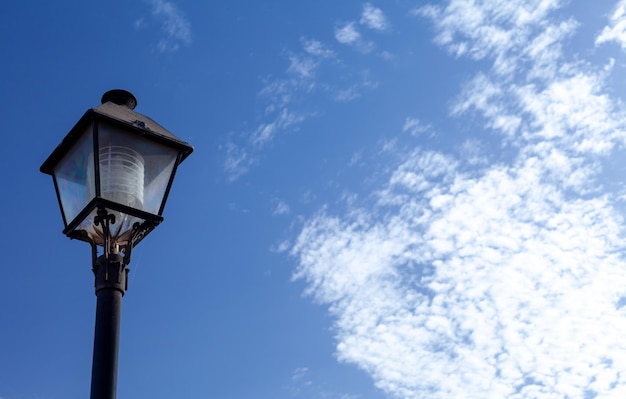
(175, 28)
(498, 29)
(311, 74)
(281, 114)
(491, 278)
(316, 71)
(373, 18)
(415, 127)
(347, 33)
(303, 386)
(616, 30)
(281, 208)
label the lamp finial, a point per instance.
(120, 97)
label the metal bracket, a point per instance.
(111, 273)
(106, 220)
(139, 232)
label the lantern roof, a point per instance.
(117, 106)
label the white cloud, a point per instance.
(300, 375)
(415, 127)
(545, 49)
(355, 90)
(572, 111)
(317, 48)
(496, 28)
(281, 208)
(347, 34)
(487, 286)
(281, 247)
(472, 152)
(281, 116)
(237, 161)
(284, 120)
(347, 94)
(303, 385)
(616, 30)
(304, 67)
(373, 18)
(174, 25)
(288, 99)
(484, 95)
(504, 281)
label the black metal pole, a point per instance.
(111, 283)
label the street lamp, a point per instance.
(112, 174)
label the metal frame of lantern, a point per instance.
(98, 215)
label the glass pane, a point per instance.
(74, 176)
(134, 170)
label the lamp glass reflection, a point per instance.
(134, 171)
(74, 176)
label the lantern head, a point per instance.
(113, 172)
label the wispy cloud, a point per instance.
(303, 66)
(301, 375)
(175, 27)
(373, 18)
(472, 151)
(281, 208)
(288, 100)
(317, 48)
(284, 120)
(498, 28)
(347, 33)
(504, 280)
(303, 385)
(616, 29)
(281, 114)
(315, 71)
(237, 160)
(415, 127)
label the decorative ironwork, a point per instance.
(139, 230)
(110, 246)
(106, 220)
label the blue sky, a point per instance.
(402, 199)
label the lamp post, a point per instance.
(112, 174)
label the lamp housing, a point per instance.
(113, 172)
